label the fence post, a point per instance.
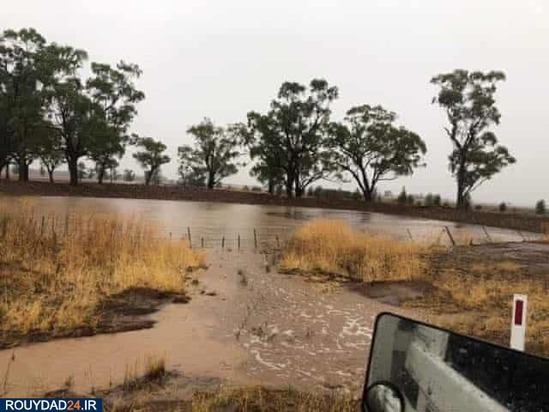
(189, 236)
(255, 238)
(450, 235)
(223, 242)
(202, 242)
(239, 241)
(410, 235)
(277, 241)
(487, 234)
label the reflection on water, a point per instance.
(215, 221)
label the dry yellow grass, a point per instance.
(329, 246)
(143, 375)
(477, 300)
(259, 399)
(472, 297)
(54, 272)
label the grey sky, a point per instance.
(222, 58)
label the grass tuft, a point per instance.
(55, 272)
(261, 399)
(333, 247)
(139, 376)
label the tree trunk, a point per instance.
(8, 171)
(271, 186)
(289, 184)
(100, 174)
(50, 174)
(23, 171)
(298, 191)
(73, 170)
(211, 181)
(148, 177)
(367, 195)
(460, 201)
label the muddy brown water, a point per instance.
(214, 221)
(255, 327)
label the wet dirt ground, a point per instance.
(246, 324)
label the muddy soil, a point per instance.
(246, 324)
(117, 313)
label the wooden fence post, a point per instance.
(410, 235)
(487, 234)
(450, 235)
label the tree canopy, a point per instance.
(41, 85)
(151, 158)
(468, 99)
(212, 158)
(290, 139)
(368, 146)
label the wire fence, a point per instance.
(255, 239)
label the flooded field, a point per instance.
(246, 323)
(270, 329)
(209, 222)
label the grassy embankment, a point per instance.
(472, 295)
(67, 277)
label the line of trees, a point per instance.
(51, 112)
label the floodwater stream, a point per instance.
(271, 329)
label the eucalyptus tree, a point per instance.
(114, 91)
(151, 157)
(212, 157)
(23, 73)
(371, 148)
(468, 99)
(290, 139)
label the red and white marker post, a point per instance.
(518, 324)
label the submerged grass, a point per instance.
(333, 247)
(55, 272)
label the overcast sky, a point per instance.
(222, 58)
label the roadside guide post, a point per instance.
(518, 323)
